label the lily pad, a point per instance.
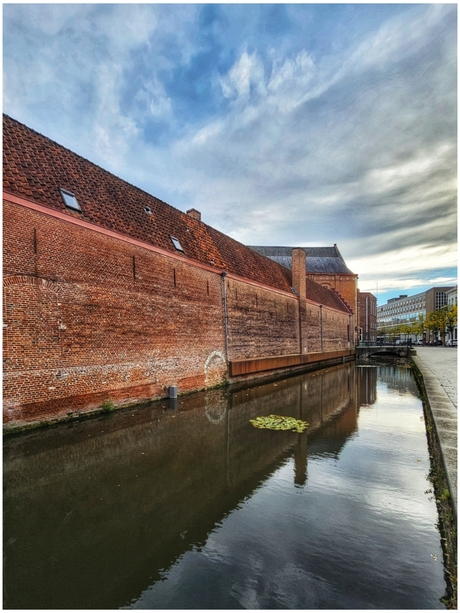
(279, 422)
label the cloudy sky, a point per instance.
(287, 124)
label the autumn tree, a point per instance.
(418, 327)
(451, 318)
(441, 320)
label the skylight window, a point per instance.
(176, 243)
(70, 200)
(148, 210)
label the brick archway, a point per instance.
(215, 368)
(40, 283)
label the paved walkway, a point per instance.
(438, 366)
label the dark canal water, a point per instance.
(194, 508)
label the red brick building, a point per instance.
(325, 266)
(112, 294)
(367, 317)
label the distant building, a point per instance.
(452, 296)
(451, 337)
(325, 266)
(410, 309)
(367, 317)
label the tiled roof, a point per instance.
(320, 260)
(35, 167)
(322, 295)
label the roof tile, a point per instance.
(36, 167)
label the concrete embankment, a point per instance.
(436, 369)
(438, 366)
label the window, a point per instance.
(176, 243)
(70, 200)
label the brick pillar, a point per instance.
(299, 272)
(299, 283)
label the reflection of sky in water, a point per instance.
(213, 513)
(358, 534)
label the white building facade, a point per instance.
(451, 338)
(411, 309)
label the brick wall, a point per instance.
(346, 286)
(327, 328)
(102, 319)
(89, 317)
(260, 322)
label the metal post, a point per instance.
(321, 324)
(224, 304)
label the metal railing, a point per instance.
(386, 343)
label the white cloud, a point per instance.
(51, 19)
(409, 268)
(379, 180)
(247, 72)
(396, 38)
(412, 258)
(210, 132)
(381, 284)
(113, 131)
(152, 98)
(128, 26)
(356, 147)
(289, 84)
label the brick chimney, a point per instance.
(299, 283)
(299, 272)
(194, 213)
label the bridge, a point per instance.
(369, 351)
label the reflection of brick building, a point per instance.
(367, 317)
(190, 471)
(366, 379)
(112, 294)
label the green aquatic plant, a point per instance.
(279, 422)
(108, 406)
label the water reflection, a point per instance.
(399, 379)
(367, 385)
(96, 512)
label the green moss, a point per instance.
(108, 406)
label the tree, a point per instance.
(436, 322)
(451, 318)
(405, 329)
(441, 320)
(418, 326)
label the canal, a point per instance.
(191, 507)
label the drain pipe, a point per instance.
(224, 303)
(172, 397)
(321, 324)
(172, 391)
